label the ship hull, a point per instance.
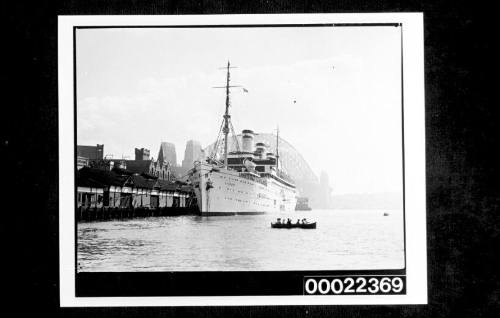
(221, 191)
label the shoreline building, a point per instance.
(141, 154)
(98, 188)
(142, 165)
(86, 154)
(167, 154)
(151, 168)
(90, 152)
(192, 153)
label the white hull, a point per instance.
(230, 193)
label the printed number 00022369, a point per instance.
(354, 285)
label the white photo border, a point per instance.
(414, 158)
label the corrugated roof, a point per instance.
(98, 178)
(88, 175)
(165, 185)
(139, 181)
(122, 172)
(89, 183)
(138, 166)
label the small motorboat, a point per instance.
(293, 225)
(386, 214)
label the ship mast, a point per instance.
(226, 123)
(227, 117)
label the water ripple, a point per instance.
(344, 239)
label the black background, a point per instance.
(262, 283)
(461, 151)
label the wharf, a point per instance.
(115, 213)
(117, 194)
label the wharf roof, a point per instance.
(122, 172)
(126, 172)
(87, 176)
(139, 181)
(186, 188)
(88, 183)
(98, 178)
(148, 176)
(138, 166)
(165, 185)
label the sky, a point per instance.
(334, 92)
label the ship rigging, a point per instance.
(227, 126)
(226, 121)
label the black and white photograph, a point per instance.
(265, 150)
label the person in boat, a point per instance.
(289, 222)
(304, 221)
(298, 222)
(278, 221)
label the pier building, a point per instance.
(106, 191)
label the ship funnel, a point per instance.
(247, 136)
(261, 149)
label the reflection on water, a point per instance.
(344, 239)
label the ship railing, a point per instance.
(282, 180)
(254, 177)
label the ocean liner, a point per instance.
(246, 181)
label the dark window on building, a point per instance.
(106, 198)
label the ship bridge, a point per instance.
(290, 159)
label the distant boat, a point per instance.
(293, 225)
(386, 214)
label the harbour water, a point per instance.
(343, 240)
